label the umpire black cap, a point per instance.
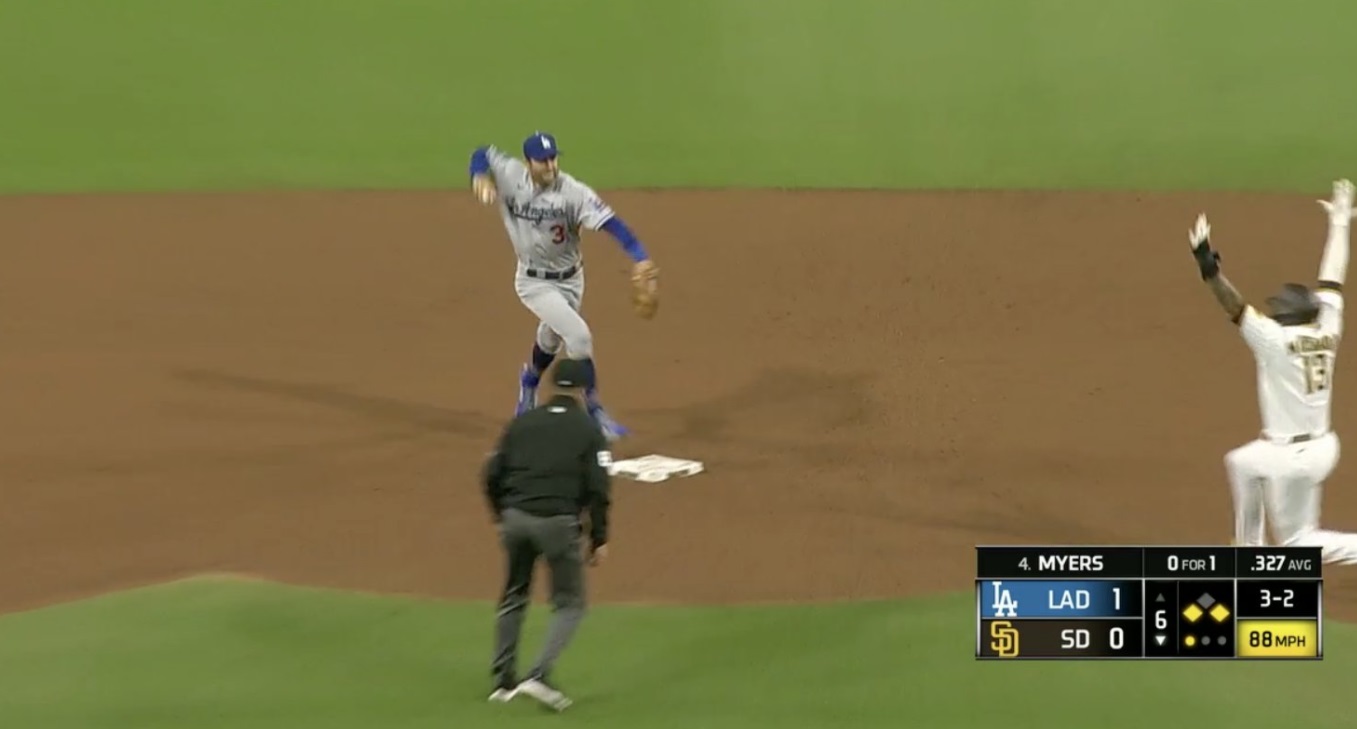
(572, 373)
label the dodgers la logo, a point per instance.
(1004, 605)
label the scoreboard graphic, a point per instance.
(1118, 602)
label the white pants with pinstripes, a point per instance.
(1281, 485)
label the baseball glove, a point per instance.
(645, 289)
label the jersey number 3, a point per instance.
(558, 234)
(1318, 372)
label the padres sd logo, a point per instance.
(1003, 639)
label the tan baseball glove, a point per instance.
(645, 289)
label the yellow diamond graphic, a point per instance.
(1219, 613)
(1190, 640)
(1192, 613)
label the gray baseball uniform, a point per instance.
(544, 228)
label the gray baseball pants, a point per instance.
(525, 538)
(557, 307)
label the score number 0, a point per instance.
(1116, 637)
(1078, 638)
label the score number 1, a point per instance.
(1116, 591)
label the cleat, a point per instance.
(527, 390)
(612, 430)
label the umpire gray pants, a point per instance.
(525, 538)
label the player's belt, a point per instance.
(1290, 439)
(552, 275)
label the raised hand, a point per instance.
(1199, 235)
(484, 188)
(1340, 206)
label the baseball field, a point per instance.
(925, 284)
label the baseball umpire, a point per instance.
(549, 468)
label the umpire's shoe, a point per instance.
(549, 696)
(506, 688)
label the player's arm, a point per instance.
(1260, 332)
(1332, 272)
(1227, 296)
(625, 238)
(480, 163)
(488, 166)
(489, 160)
(595, 214)
(1208, 262)
(1333, 264)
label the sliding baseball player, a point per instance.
(1277, 479)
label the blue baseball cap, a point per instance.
(540, 146)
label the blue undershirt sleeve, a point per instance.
(619, 230)
(480, 161)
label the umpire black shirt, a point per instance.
(552, 460)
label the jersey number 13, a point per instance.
(1318, 372)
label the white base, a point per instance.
(654, 469)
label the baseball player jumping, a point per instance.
(1279, 476)
(543, 210)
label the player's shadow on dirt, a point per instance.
(832, 422)
(428, 418)
(789, 402)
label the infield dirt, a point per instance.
(302, 386)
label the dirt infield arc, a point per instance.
(302, 386)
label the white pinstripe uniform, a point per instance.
(1278, 478)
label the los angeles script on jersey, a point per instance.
(535, 213)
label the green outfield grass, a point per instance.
(225, 653)
(874, 93)
(160, 94)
